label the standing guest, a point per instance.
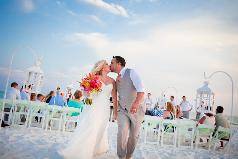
(173, 101)
(24, 94)
(76, 102)
(68, 95)
(33, 97)
(149, 104)
(186, 107)
(169, 113)
(200, 110)
(49, 96)
(58, 99)
(29, 90)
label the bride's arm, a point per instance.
(114, 99)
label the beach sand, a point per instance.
(34, 143)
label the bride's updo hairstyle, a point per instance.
(97, 69)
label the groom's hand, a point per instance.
(134, 107)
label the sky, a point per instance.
(170, 43)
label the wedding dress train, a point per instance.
(90, 137)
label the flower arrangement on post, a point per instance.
(90, 85)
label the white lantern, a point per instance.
(205, 94)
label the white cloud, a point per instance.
(96, 19)
(27, 5)
(72, 12)
(94, 40)
(110, 7)
(175, 54)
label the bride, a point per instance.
(90, 137)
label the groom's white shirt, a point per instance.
(137, 82)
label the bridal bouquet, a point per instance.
(91, 85)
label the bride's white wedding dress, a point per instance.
(90, 137)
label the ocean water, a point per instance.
(1, 94)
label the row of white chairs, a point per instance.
(48, 115)
(182, 132)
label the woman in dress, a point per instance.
(90, 137)
(169, 112)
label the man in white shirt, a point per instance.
(149, 103)
(131, 108)
(13, 93)
(186, 107)
(173, 101)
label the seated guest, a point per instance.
(76, 102)
(207, 119)
(14, 94)
(33, 97)
(220, 120)
(169, 112)
(178, 111)
(40, 98)
(156, 111)
(49, 96)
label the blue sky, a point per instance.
(169, 42)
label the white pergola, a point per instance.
(35, 76)
(205, 94)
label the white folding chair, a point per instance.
(71, 116)
(186, 131)
(55, 116)
(169, 130)
(39, 110)
(152, 127)
(6, 103)
(204, 131)
(22, 109)
(221, 135)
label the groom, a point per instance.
(131, 111)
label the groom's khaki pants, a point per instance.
(128, 132)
